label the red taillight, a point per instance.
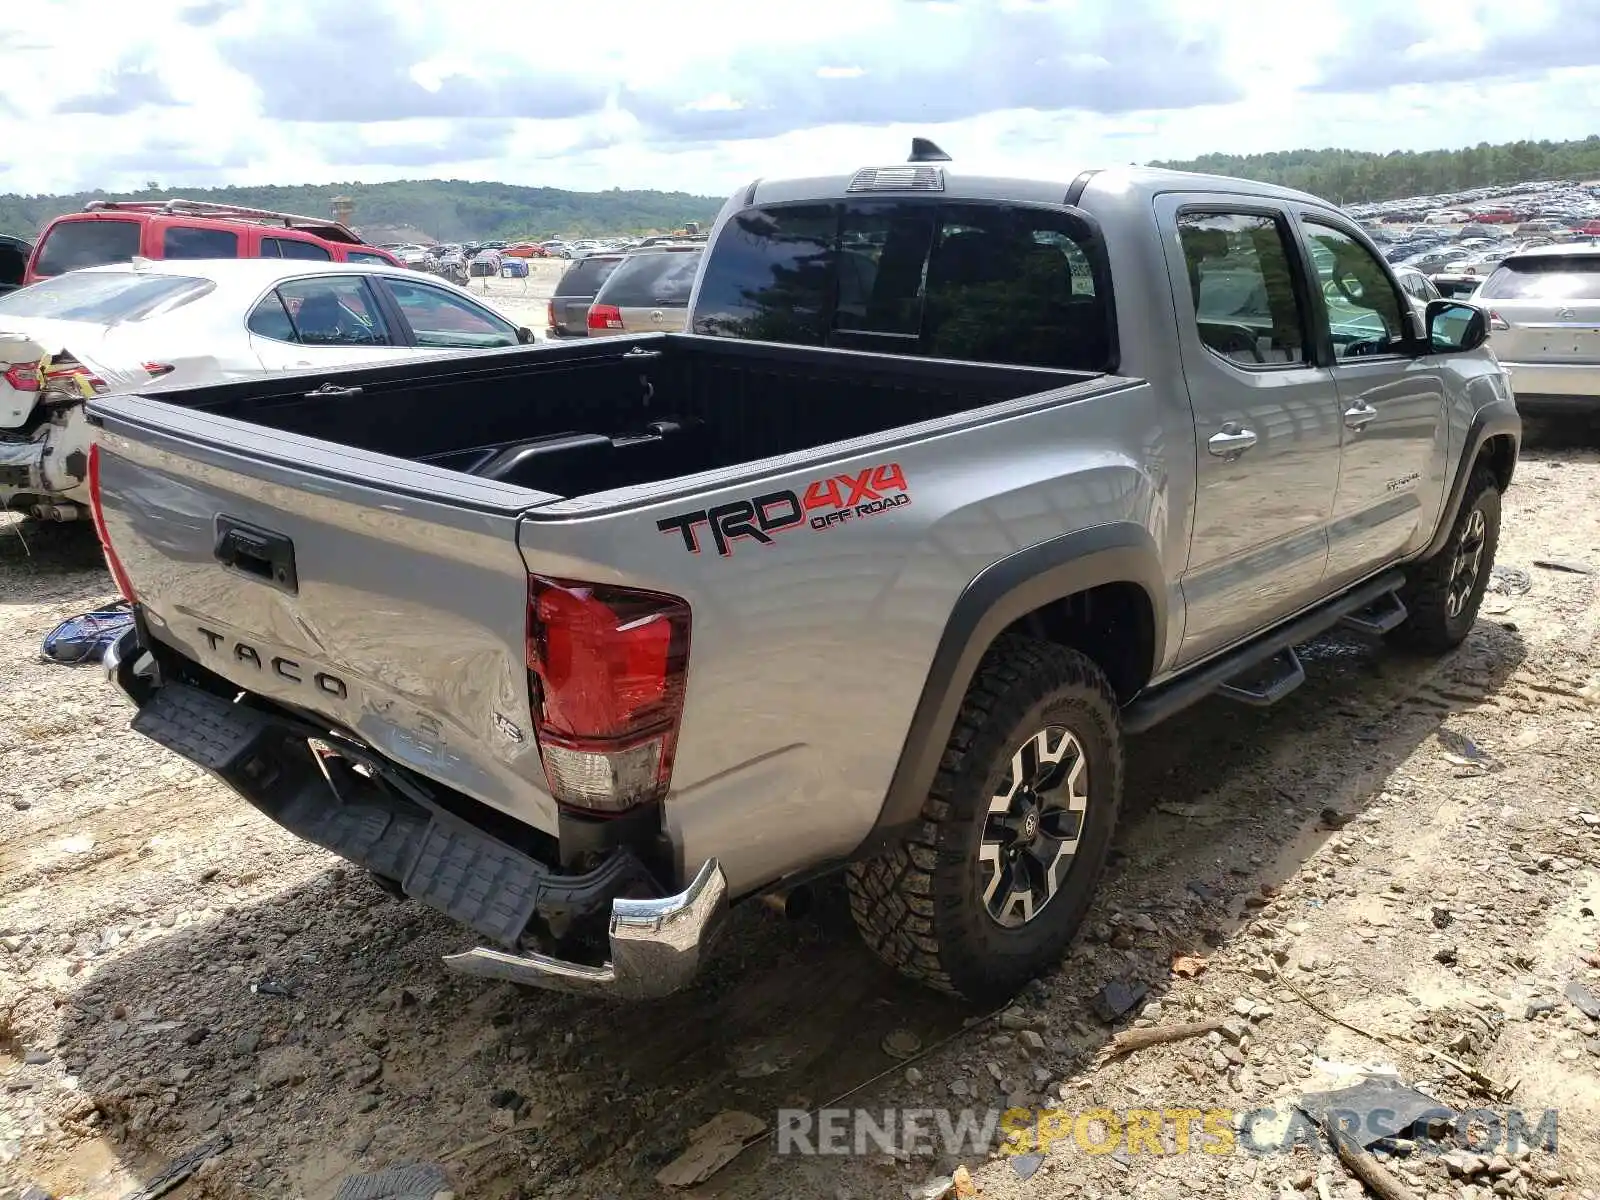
(604, 316)
(606, 671)
(24, 377)
(1496, 321)
(550, 314)
(113, 563)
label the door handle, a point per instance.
(1359, 415)
(1231, 440)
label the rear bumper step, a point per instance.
(349, 801)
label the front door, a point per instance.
(1391, 406)
(1265, 417)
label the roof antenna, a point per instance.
(922, 150)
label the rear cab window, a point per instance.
(1545, 277)
(654, 279)
(104, 297)
(987, 281)
(87, 242)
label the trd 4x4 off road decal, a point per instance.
(825, 504)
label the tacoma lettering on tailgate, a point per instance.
(825, 504)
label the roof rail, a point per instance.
(324, 227)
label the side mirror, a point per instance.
(1454, 327)
(524, 335)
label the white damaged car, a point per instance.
(117, 327)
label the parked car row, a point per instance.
(640, 291)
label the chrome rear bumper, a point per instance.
(657, 947)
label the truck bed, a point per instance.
(356, 547)
(580, 420)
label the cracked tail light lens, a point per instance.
(606, 674)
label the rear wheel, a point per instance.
(1442, 594)
(991, 886)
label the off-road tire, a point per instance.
(919, 906)
(1430, 627)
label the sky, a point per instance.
(706, 95)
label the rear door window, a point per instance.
(1552, 277)
(70, 245)
(361, 256)
(334, 310)
(652, 280)
(187, 241)
(1243, 287)
(293, 248)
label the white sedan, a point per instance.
(117, 327)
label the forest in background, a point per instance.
(1355, 176)
(463, 210)
(448, 209)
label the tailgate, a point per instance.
(385, 596)
(1547, 331)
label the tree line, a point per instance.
(448, 209)
(1357, 176)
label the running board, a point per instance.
(1156, 705)
(1266, 683)
(1384, 615)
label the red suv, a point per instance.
(110, 231)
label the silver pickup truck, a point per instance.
(955, 482)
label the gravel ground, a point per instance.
(1402, 858)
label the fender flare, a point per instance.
(1498, 418)
(1120, 552)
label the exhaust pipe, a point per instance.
(57, 512)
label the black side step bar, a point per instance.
(1386, 613)
(1156, 705)
(1266, 683)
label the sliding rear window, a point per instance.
(988, 282)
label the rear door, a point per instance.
(323, 321)
(1391, 403)
(1265, 414)
(1545, 323)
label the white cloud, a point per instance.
(705, 95)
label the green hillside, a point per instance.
(448, 209)
(1354, 176)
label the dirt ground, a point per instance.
(1401, 859)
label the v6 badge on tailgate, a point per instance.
(825, 504)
